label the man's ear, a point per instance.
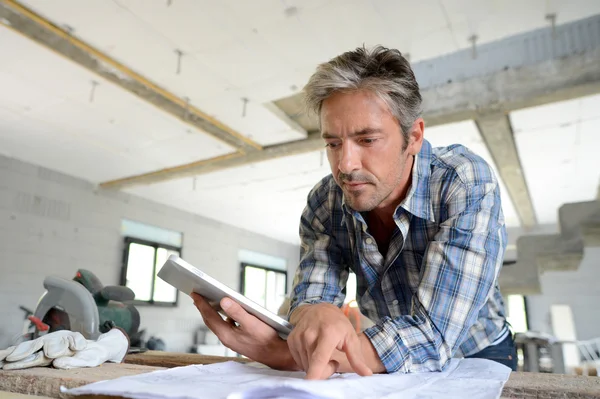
(415, 138)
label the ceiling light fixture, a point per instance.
(245, 101)
(93, 91)
(473, 40)
(552, 19)
(180, 54)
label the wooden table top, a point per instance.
(47, 381)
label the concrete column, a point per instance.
(497, 133)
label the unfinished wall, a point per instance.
(579, 289)
(51, 223)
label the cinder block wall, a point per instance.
(51, 223)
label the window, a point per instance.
(350, 289)
(142, 262)
(264, 285)
(516, 313)
(563, 328)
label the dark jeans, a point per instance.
(504, 352)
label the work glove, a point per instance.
(4, 353)
(110, 347)
(42, 351)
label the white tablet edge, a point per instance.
(285, 326)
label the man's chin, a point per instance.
(362, 207)
(359, 204)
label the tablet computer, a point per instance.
(188, 279)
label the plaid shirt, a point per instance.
(435, 294)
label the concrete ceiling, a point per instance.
(558, 144)
(261, 51)
(47, 115)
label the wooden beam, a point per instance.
(31, 25)
(549, 81)
(313, 142)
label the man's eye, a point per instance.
(369, 141)
(332, 145)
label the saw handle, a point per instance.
(39, 325)
(114, 293)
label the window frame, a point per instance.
(527, 324)
(243, 266)
(133, 240)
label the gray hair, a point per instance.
(380, 70)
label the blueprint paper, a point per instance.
(463, 378)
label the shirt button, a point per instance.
(369, 241)
(395, 301)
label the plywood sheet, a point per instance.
(46, 381)
(173, 359)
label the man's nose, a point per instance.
(349, 158)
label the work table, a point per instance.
(47, 381)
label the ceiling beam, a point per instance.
(497, 133)
(559, 79)
(27, 23)
(285, 118)
(501, 92)
(313, 142)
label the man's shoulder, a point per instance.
(325, 190)
(456, 160)
(324, 201)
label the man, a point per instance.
(422, 228)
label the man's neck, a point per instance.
(380, 220)
(381, 227)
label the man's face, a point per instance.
(365, 149)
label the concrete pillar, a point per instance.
(496, 130)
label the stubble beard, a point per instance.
(381, 193)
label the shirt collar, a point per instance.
(418, 198)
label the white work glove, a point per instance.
(4, 353)
(110, 347)
(42, 351)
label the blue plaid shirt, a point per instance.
(435, 294)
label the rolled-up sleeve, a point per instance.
(459, 272)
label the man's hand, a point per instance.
(250, 337)
(320, 331)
